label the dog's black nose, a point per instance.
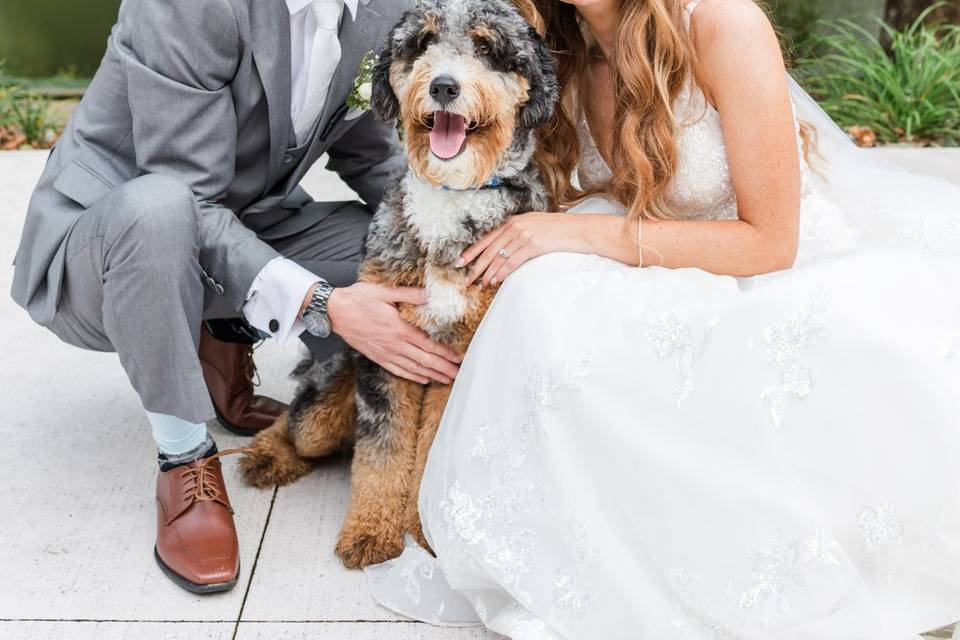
(444, 90)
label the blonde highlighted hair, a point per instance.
(651, 62)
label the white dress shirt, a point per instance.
(277, 293)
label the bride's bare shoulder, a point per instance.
(717, 22)
(734, 40)
(731, 12)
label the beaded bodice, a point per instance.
(701, 188)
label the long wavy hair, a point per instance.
(651, 62)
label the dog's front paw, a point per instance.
(363, 545)
(272, 460)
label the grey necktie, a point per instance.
(324, 60)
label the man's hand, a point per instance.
(366, 316)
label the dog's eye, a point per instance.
(425, 39)
(483, 47)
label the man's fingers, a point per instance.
(428, 364)
(420, 339)
(400, 372)
(410, 295)
(413, 367)
(389, 362)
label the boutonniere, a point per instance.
(359, 97)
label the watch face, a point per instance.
(317, 325)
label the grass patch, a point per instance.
(910, 94)
(65, 83)
(25, 117)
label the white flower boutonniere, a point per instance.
(359, 98)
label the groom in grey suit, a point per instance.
(172, 198)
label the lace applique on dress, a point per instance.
(486, 447)
(671, 337)
(573, 591)
(599, 268)
(542, 386)
(779, 567)
(462, 515)
(494, 519)
(881, 527)
(785, 345)
(494, 522)
(933, 238)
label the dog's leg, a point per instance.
(319, 422)
(272, 459)
(434, 402)
(388, 411)
(324, 413)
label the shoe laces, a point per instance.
(250, 370)
(202, 479)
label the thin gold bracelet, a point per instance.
(639, 242)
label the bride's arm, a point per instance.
(744, 77)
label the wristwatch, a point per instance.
(315, 318)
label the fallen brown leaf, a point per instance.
(863, 136)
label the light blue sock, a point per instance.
(175, 436)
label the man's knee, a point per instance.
(158, 214)
(341, 235)
(356, 219)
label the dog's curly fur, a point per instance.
(428, 217)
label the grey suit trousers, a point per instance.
(133, 284)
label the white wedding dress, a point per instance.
(662, 454)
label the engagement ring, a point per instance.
(504, 253)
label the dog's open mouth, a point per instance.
(448, 134)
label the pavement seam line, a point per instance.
(256, 559)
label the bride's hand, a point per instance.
(521, 238)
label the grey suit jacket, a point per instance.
(199, 90)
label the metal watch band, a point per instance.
(321, 294)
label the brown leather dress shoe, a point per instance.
(229, 371)
(196, 537)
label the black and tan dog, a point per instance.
(471, 82)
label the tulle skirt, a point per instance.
(652, 453)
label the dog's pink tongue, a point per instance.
(448, 135)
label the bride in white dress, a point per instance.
(664, 453)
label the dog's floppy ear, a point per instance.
(538, 66)
(383, 101)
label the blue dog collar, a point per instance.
(493, 184)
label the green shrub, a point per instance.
(24, 117)
(911, 94)
(7, 92)
(30, 116)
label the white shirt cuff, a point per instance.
(275, 297)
